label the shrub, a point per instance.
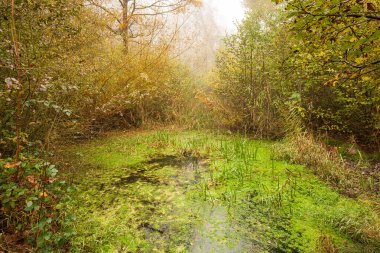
(31, 205)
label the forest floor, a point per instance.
(192, 191)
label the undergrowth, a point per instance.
(32, 207)
(327, 163)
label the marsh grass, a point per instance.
(327, 164)
(250, 178)
(274, 205)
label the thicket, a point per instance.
(249, 79)
(309, 64)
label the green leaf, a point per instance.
(29, 206)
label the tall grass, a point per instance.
(303, 148)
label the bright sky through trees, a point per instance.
(226, 12)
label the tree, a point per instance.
(260, 4)
(336, 64)
(141, 20)
(345, 32)
(249, 75)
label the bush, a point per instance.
(30, 207)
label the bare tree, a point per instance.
(140, 20)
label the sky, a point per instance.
(226, 13)
(206, 27)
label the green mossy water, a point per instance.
(148, 192)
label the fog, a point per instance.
(205, 28)
(226, 13)
(202, 29)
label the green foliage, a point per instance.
(283, 206)
(317, 68)
(335, 62)
(340, 32)
(76, 77)
(32, 206)
(44, 91)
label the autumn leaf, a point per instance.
(353, 76)
(360, 60)
(366, 78)
(31, 180)
(12, 165)
(353, 39)
(43, 194)
(321, 54)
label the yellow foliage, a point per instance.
(360, 60)
(43, 194)
(366, 78)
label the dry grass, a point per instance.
(326, 245)
(329, 166)
(326, 163)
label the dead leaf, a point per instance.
(43, 194)
(31, 180)
(12, 165)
